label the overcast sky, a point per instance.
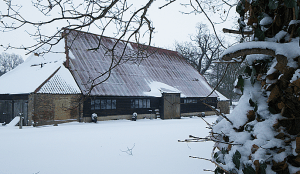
(170, 25)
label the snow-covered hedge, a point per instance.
(262, 134)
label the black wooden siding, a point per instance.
(123, 106)
(10, 106)
(199, 106)
(14, 96)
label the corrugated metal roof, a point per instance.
(140, 66)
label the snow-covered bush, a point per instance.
(262, 134)
(94, 117)
(134, 116)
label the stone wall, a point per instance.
(207, 113)
(44, 108)
(143, 116)
(224, 106)
(120, 117)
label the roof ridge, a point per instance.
(162, 49)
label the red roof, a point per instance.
(139, 66)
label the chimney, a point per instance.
(65, 36)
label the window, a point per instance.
(113, 104)
(210, 100)
(189, 100)
(98, 104)
(132, 103)
(108, 104)
(103, 104)
(144, 103)
(140, 103)
(147, 101)
(92, 105)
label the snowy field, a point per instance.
(93, 148)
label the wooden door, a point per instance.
(6, 114)
(20, 108)
(171, 105)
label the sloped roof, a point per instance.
(61, 82)
(44, 74)
(221, 96)
(141, 70)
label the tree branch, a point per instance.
(247, 33)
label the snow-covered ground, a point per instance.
(93, 148)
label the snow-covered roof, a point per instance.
(61, 83)
(157, 88)
(221, 96)
(41, 74)
(156, 71)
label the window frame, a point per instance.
(140, 103)
(103, 104)
(190, 101)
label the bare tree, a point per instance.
(79, 15)
(126, 19)
(9, 62)
(224, 78)
(203, 49)
(202, 53)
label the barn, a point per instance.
(87, 73)
(41, 89)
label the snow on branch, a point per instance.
(288, 50)
(248, 51)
